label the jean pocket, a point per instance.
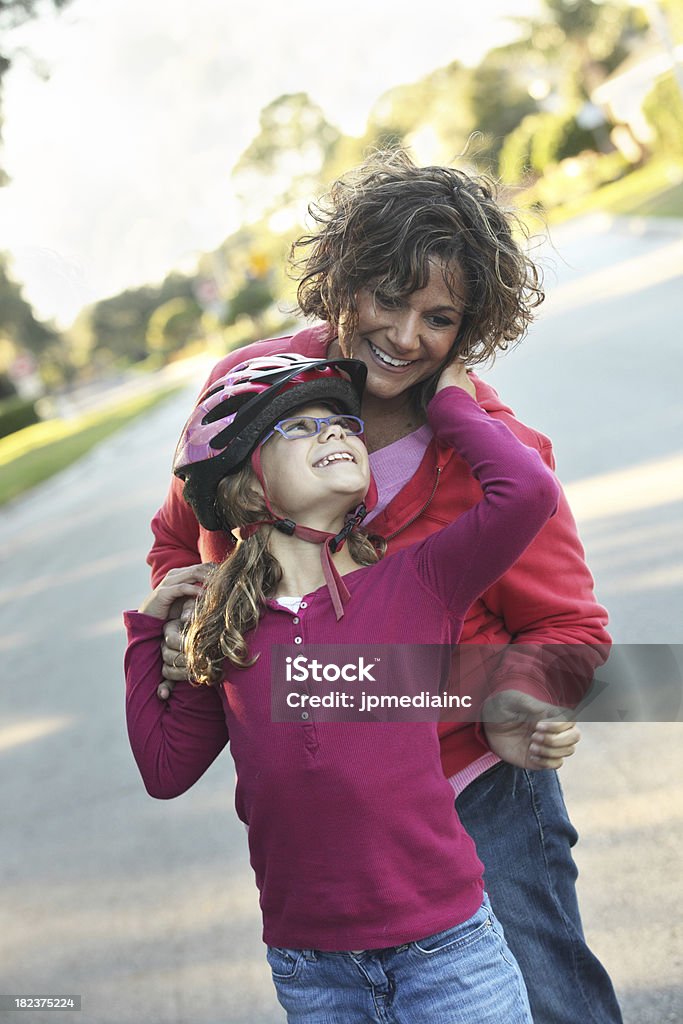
(464, 934)
(284, 963)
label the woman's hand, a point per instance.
(455, 376)
(186, 582)
(527, 732)
(173, 646)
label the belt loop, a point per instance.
(309, 955)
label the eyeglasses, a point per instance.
(309, 426)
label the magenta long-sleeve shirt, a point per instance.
(353, 836)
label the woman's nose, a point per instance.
(405, 335)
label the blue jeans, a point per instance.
(464, 975)
(524, 837)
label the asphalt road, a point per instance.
(148, 909)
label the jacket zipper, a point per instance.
(419, 513)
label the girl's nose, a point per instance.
(329, 430)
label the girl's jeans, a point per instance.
(464, 975)
(519, 822)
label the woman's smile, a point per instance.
(384, 359)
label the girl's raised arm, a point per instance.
(519, 495)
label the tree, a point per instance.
(119, 325)
(22, 334)
(577, 43)
(17, 320)
(12, 14)
(494, 77)
(432, 115)
(281, 166)
(173, 325)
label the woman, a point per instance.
(350, 821)
(408, 269)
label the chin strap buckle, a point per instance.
(285, 526)
(354, 519)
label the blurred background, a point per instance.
(157, 161)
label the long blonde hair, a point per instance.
(238, 588)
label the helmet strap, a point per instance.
(330, 543)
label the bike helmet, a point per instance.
(233, 414)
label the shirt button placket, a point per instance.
(310, 735)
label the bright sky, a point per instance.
(120, 161)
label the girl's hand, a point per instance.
(455, 376)
(185, 582)
(527, 732)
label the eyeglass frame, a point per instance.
(319, 421)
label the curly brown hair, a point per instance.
(381, 223)
(237, 589)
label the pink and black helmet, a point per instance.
(234, 413)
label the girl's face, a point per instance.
(329, 472)
(404, 341)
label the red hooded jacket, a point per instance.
(546, 598)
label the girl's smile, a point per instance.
(326, 473)
(333, 457)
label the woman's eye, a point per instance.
(440, 321)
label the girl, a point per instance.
(352, 833)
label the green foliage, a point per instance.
(654, 190)
(252, 300)
(493, 78)
(540, 141)
(173, 325)
(37, 453)
(673, 10)
(514, 164)
(436, 105)
(15, 414)
(575, 44)
(281, 166)
(21, 332)
(13, 13)
(556, 137)
(663, 108)
(7, 388)
(17, 321)
(576, 179)
(119, 325)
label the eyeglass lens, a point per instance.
(308, 426)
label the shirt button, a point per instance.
(304, 715)
(295, 620)
(303, 605)
(298, 640)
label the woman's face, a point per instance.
(329, 471)
(403, 341)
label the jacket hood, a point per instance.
(488, 398)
